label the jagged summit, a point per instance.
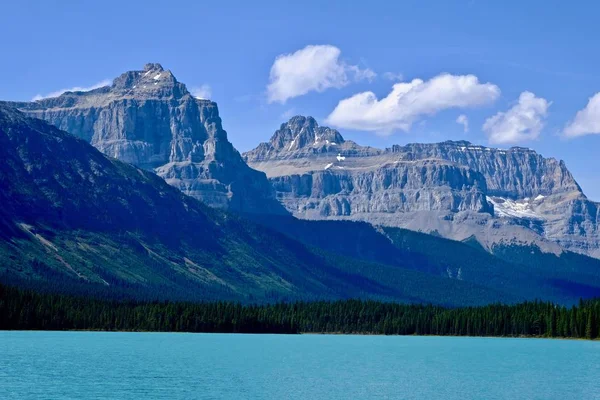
(149, 119)
(299, 136)
(152, 81)
(153, 67)
(301, 131)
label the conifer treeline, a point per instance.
(29, 310)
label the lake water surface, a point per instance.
(94, 365)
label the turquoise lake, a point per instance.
(94, 365)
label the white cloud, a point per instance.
(393, 76)
(313, 68)
(361, 74)
(410, 101)
(203, 92)
(524, 121)
(464, 121)
(57, 93)
(587, 121)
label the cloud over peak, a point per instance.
(410, 101)
(313, 68)
(524, 121)
(105, 82)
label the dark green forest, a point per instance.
(30, 310)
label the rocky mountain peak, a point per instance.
(300, 132)
(301, 119)
(152, 81)
(149, 119)
(153, 67)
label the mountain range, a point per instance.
(109, 194)
(77, 219)
(454, 189)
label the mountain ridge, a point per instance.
(454, 188)
(149, 119)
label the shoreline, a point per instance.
(303, 333)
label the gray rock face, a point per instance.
(149, 119)
(455, 189)
(515, 173)
(316, 172)
(301, 132)
(389, 188)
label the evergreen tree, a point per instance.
(589, 327)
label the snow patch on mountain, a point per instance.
(521, 208)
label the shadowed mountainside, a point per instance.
(78, 220)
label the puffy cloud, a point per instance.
(464, 121)
(410, 101)
(57, 93)
(524, 121)
(313, 68)
(202, 92)
(587, 121)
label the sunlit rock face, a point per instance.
(149, 119)
(456, 189)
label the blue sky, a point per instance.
(536, 63)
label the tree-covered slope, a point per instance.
(523, 271)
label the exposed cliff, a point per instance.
(455, 189)
(517, 172)
(149, 119)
